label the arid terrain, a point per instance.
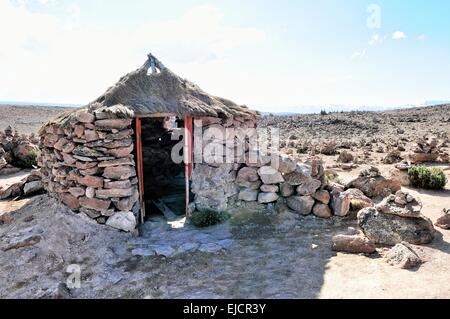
(255, 254)
(28, 119)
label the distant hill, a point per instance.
(15, 103)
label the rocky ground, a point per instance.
(256, 254)
(28, 119)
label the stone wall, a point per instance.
(89, 166)
(274, 179)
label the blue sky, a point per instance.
(274, 56)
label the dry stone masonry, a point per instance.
(89, 166)
(254, 176)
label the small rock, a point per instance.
(90, 192)
(340, 203)
(122, 220)
(76, 191)
(248, 195)
(444, 221)
(91, 181)
(300, 204)
(94, 203)
(225, 243)
(186, 247)
(269, 188)
(269, 175)
(210, 248)
(353, 244)
(309, 187)
(403, 256)
(286, 189)
(85, 117)
(322, 196)
(32, 187)
(322, 210)
(265, 198)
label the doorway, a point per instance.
(163, 178)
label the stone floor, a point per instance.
(169, 238)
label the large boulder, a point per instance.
(372, 184)
(387, 224)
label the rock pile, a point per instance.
(396, 219)
(426, 150)
(88, 164)
(444, 221)
(373, 184)
(17, 151)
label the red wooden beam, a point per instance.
(188, 156)
(140, 167)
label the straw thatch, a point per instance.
(154, 89)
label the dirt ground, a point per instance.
(273, 256)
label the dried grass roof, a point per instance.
(141, 93)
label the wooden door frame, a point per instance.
(188, 162)
(188, 157)
(140, 168)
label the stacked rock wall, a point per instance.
(255, 177)
(88, 165)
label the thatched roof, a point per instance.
(154, 89)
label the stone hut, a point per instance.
(155, 142)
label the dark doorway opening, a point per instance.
(164, 176)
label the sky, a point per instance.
(275, 56)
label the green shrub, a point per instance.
(28, 161)
(356, 205)
(208, 217)
(331, 177)
(428, 178)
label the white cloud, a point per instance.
(422, 37)
(399, 35)
(377, 39)
(358, 55)
(48, 59)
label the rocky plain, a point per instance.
(370, 234)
